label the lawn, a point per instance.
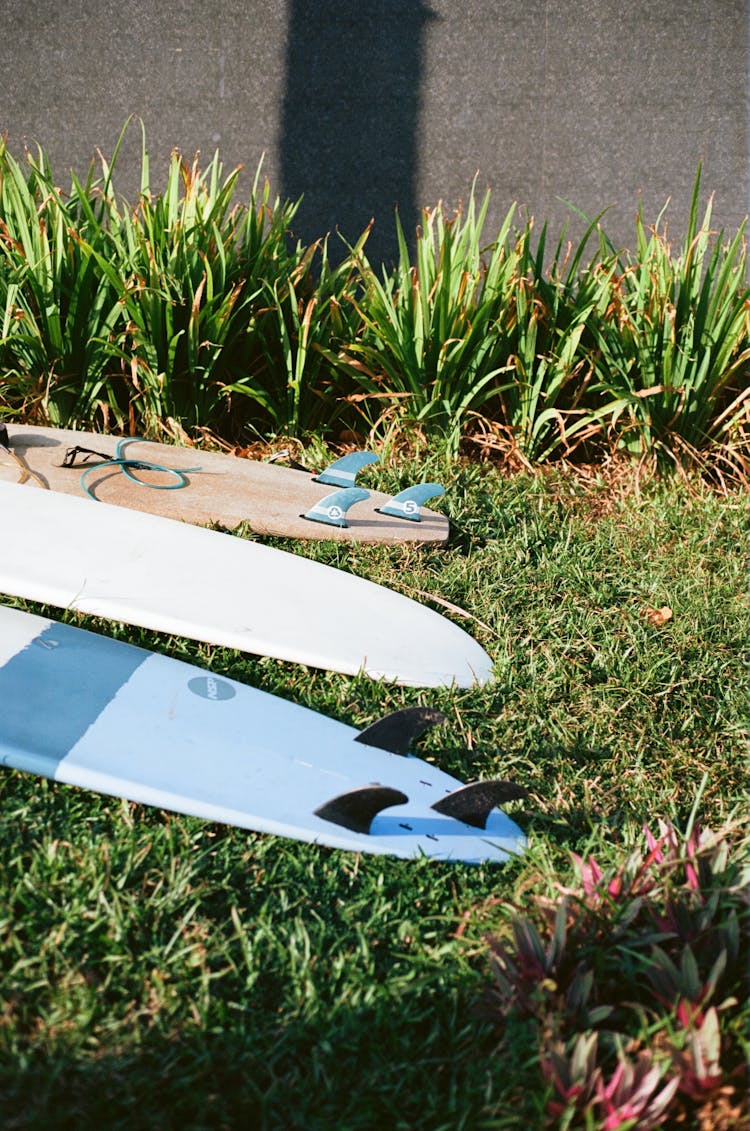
(159, 971)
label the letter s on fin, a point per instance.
(408, 503)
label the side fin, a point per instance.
(355, 810)
(332, 509)
(342, 472)
(397, 731)
(407, 504)
(473, 803)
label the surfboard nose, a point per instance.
(464, 665)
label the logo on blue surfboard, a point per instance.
(209, 687)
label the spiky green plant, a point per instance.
(190, 269)
(304, 318)
(672, 358)
(60, 315)
(431, 346)
(541, 404)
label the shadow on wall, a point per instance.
(349, 133)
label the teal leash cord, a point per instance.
(127, 466)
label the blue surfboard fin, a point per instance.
(473, 803)
(332, 509)
(342, 472)
(356, 809)
(407, 504)
(396, 732)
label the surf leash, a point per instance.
(25, 471)
(127, 466)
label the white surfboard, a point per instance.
(94, 712)
(173, 577)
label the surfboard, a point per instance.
(206, 487)
(94, 712)
(222, 589)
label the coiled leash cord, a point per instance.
(127, 466)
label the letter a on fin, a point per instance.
(473, 803)
(332, 509)
(397, 731)
(343, 472)
(356, 809)
(407, 504)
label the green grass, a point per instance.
(160, 971)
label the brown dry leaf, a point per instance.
(658, 617)
(350, 439)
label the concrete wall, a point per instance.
(362, 106)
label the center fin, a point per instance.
(356, 809)
(397, 731)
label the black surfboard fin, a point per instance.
(396, 732)
(356, 809)
(473, 803)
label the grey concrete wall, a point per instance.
(362, 107)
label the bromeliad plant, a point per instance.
(304, 316)
(139, 314)
(635, 978)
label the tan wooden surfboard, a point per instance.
(211, 487)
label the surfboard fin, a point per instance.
(356, 809)
(408, 503)
(342, 472)
(473, 803)
(396, 732)
(332, 509)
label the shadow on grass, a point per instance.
(368, 1069)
